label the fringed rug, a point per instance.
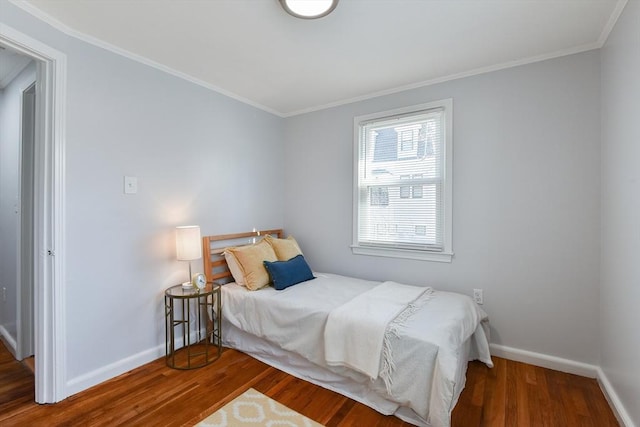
(253, 409)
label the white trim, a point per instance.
(49, 213)
(112, 370)
(572, 367)
(402, 253)
(21, 288)
(10, 343)
(611, 22)
(43, 16)
(447, 222)
(545, 361)
(443, 79)
(615, 403)
(29, 8)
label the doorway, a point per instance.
(47, 265)
(17, 163)
(17, 138)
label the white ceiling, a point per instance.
(254, 51)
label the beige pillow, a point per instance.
(285, 249)
(249, 265)
(234, 267)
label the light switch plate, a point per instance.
(130, 184)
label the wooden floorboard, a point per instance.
(510, 394)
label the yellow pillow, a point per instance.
(234, 267)
(285, 249)
(249, 260)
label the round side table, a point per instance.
(193, 333)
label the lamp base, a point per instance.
(187, 286)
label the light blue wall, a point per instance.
(200, 158)
(526, 194)
(620, 292)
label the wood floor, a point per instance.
(510, 394)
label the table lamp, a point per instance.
(188, 247)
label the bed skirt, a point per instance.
(300, 367)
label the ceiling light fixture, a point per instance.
(309, 9)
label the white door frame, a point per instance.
(49, 221)
(25, 249)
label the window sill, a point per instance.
(402, 253)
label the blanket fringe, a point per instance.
(393, 331)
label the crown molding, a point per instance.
(45, 17)
(470, 73)
(611, 22)
(613, 18)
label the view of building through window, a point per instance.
(401, 181)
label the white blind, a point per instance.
(401, 181)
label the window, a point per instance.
(411, 191)
(402, 194)
(408, 137)
(405, 190)
(379, 196)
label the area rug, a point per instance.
(253, 408)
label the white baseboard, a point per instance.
(8, 340)
(571, 367)
(545, 361)
(614, 401)
(90, 379)
(83, 382)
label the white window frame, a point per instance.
(446, 254)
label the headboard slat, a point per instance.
(215, 266)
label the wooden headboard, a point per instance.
(215, 266)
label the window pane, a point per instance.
(379, 196)
(405, 192)
(390, 211)
(401, 181)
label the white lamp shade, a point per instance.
(188, 244)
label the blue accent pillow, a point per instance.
(288, 273)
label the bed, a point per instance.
(326, 331)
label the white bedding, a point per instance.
(427, 352)
(360, 345)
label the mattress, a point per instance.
(286, 329)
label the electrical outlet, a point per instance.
(477, 296)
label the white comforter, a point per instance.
(356, 343)
(425, 353)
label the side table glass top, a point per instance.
(179, 292)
